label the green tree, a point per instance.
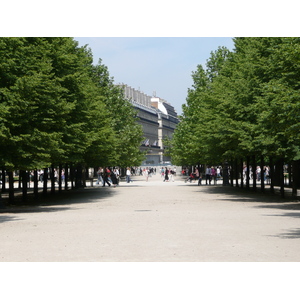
(33, 106)
(197, 136)
(129, 133)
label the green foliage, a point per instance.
(129, 133)
(246, 102)
(56, 107)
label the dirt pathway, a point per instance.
(153, 221)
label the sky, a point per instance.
(160, 65)
(156, 46)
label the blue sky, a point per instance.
(160, 64)
(155, 46)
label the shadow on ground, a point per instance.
(266, 200)
(8, 218)
(287, 207)
(56, 202)
(247, 195)
(291, 234)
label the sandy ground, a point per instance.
(153, 221)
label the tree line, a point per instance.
(244, 108)
(58, 109)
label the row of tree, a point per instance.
(244, 104)
(56, 108)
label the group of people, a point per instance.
(42, 177)
(108, 176)
(168, 174)
(151, 171)
(211, 173)
(265, 173)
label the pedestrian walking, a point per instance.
(100, 176)
(171, 172)
(114, 179)
(166, 175)
(105, 176)
(146, 173)
(208, 175)
(213, 174)
(162, 172)
(128, 174)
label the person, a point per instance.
(100, 175)
(267, 174)
(117, 173)
(191, 177)
(166, 175)
(218, 173)
(128, 173)
(196, 173)
(114, 179)
(258, 173)
(55, 176)
(200, 179)
(171, 175)
(108, 171)
(105, 177)
(41, 175)
(208, 175)
(245, 173)
(213, 174)
(146, 173)
(63, 175)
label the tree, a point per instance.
(129, 133)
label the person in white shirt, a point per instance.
(128, 174)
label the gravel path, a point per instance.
(153, 221)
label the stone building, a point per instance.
(158, 119)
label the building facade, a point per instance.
(158, 119)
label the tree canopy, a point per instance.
(246, 102)
(57, 107)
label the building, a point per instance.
(158, 119)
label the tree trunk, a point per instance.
(11, 187)
(20, 180)
(59, 178)
(281, 162)
(3, 181)
(241, 171)
(79, 177)
(254, 172)
(35, 185)
(248, 173)
(72, 175)
(24, 185)
(2, 205)
(295, 168)
(225, 174)
(272, 175)
(290, 174)
(66, 176)
(262, 174)
(52, 180)
(236, 171)
(45, 181)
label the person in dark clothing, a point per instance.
(114, 179)
(106, 172)
(166, 175)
